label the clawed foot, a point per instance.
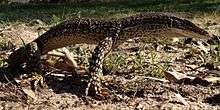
(37, 79)
(33, 80)
(97, 90)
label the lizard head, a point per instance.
(163, 25)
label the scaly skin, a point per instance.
(108, 34)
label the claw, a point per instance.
(37, 79)
(31, 80)
(87, 88)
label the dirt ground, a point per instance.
(131, 89)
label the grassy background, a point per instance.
(52, 12)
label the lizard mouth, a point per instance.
(188, 29)
(175, 32)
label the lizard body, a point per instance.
(108, 34)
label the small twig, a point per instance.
(55, 53)
(6, 78)
(181, 99)
(157, 79)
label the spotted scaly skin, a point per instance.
(108, 34)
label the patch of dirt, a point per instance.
(148, 94)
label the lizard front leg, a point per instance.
(95, 87)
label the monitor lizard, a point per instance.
(108, 34)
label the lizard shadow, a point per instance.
(213, 100)
(7, 75)
(68, 84)
(73, 84)
(3, 75)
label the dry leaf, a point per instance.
(157, 79)
(67, 61)
(202, 47)
(175, 76)
(56, 53)
(69, 58)
(30, 93)
(181, 99)
(192, 66)
(213, 79)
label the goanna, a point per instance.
(108, 34)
